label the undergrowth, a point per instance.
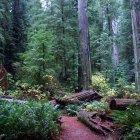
(128, 122)
(28, 121)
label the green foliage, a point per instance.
(38, 58)
(11, 82)
(25, 91)
(97, 106)
(33, 93)
(129, 121)
(100, 83)
(122, 88)
(72, 109)
(31, 120)
(5, 20)
(64, 27)
(52, 44)
(125, 89)
(47, 40)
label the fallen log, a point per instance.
(122, 104)
(79, 98)
(6, 97)
(10, 99)
(90, 94)
(68, 102)
(97, 124)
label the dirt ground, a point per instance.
(72, 129)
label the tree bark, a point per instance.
(95, 121)
(115, 48)
(64, 68)
(79, 98)
(113, 29)
(135, 16)
(122, 104)
(84, 43)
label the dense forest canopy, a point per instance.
(46, 38)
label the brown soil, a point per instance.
(72, 129)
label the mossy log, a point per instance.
(95, 122)
(122, 104)
(79, 98)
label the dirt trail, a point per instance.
(72, 129)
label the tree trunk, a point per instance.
(80, 88)
(112, 27)
(115, 48)
(84, 43)
(64, 67)
(135, 16)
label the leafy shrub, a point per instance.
(48, 89)
(129, 121)
(29, 121)
(129, 91)
(100, 83)
(111, 93)
(72, 109)
(121, 82)
(124, 89)
(25, 91)
(11, 82)
(1, 91)
(35, 93)
(97, 106)
(51, 84)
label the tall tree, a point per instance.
(135, 16)
(63, 23)
(14, 31)
(125, 41)
(38, 59)
(112, 20)
(84, 43)
(5, 24)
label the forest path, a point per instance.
(72, 129)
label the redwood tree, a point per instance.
(84, 43)
(135, 16)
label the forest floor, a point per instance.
(72, 129)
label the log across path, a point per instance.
(72, 129)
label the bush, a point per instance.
(28, 121)
(11, 81)
(97, 106)
(100, 83)
(125, 89)
(25, 91)
(129, 122)
(28, 94)
(72, 109)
